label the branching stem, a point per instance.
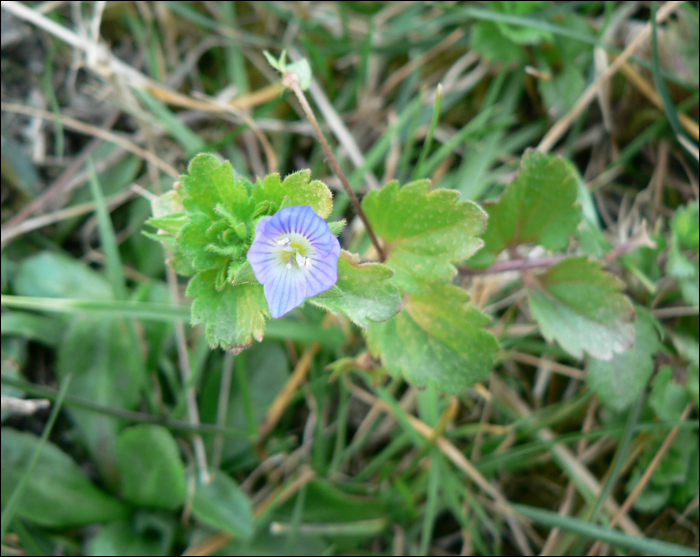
(291, 81)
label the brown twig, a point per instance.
(291, 81)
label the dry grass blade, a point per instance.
(459, 460)
(87, 129)
(582, 475)
(279, 405)
(565, 122)
(552, 366)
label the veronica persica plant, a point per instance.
(294, 256)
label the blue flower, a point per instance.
(294, 256)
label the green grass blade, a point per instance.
(115, 271)
(613, 537)
(418, 172)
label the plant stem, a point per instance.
(185, 373)
(291, 81)
(513, 265)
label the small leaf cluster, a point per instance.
(208, 222)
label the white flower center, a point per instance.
(295, 250)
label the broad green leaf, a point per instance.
(425, 231)
(266, 367)
(45, 329)
(151, 471)
(366, 295)
(538, 206)
(146, 533)
(120, 538)
(619, 381)
(439, 338)
(209, 182)
(580, 306)
(58, 494)
(223, 505)
(300, 190)
(668, 398)
(232, 316)
(52, 275)
(107, 365)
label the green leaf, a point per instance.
(57, 494)
(167, 204)
(518, 34)
(684, 269)
(169, 223)
(52, 275)
(266, 369)
(107, 365)
(365, 293)
(223, 505)
(538, 206)
(619, 381)
(668, 398)
(41, 328)
(245, 275)
(233, 316)
(337, 226)
(151, 471)
(302, 68)
(300, 190)
(120, 538)
(209, 182)
(279, 64)
(194, 241)
(426, 232)
(580, 306)
(487, 41)
(439, 338)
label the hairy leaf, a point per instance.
(208, 183)
(538, 206)
(580, 306)
(439, 338)
(364, 292)
(232, 316)
(426, 232)
(298, 188)
(619, 381)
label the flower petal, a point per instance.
(285, 291)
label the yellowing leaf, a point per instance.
(580, 306)
(438, 338)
